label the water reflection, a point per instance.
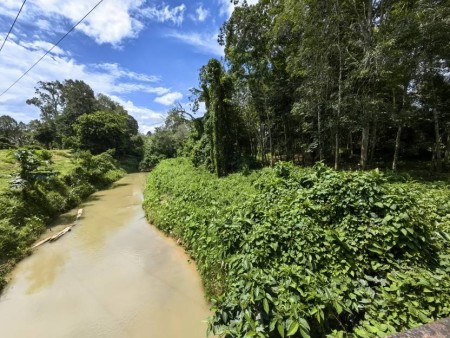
(42, 273)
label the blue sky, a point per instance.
(144, 54)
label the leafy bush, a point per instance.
(100, 170)
(309, 252)
(10, 240)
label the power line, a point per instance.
(7, 35)
(54, 45)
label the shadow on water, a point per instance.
(64, 219)
(91, 200)
(118, 185)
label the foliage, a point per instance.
(12, 133)
(73, 117)
(30, 161)
(166, 141)
(25, 210)
(309, 252)
(8, 129)
(103, 130)
(350, 83)
(217, 144)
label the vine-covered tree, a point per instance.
(326, 80)
(218, 146)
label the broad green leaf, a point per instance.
(293, 328)
(280, 328)
(266, 305)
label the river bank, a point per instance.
(46, 184)
(112, 276)
(294, 251)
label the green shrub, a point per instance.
(10, 241)
(13, 208)
(309, 252)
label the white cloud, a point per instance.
(109, 79)
(123, 73)
(43, 24)
(142, 113)
(125, 87)
(226, 7)
(42, 46)
(111, 22)
(10, 7)
(148, 119)
(169, 98)
(202, 13)
(205, 43)
(145, 128)
(164, 13)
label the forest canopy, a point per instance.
(350, 83)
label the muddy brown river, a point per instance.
(113, 275)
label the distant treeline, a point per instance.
(72, 116)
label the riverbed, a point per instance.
(113, 275)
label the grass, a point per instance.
(62, 161)
(9, 166)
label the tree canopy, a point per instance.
(357, 83)
(72, 116)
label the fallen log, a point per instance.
(61, 233)
(40, 243)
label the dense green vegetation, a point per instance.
(167, 141)
(314, 252)
(36, 186)
(352, 83)
(283, 251)
(309, 252)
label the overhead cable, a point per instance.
(54, 45)
(7, 35)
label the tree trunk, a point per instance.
(352, 154)
(364, 147)
(447, 149)
(271, 147)
(338, 117)
(437, 145)
(261, 142)
(397, 148)
(286, 144)
(319, 133)
(336, 149)
(374, 141)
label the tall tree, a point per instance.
(79, 98)
(9, 128)
(48, 99)
(219, 141)
(101, 131)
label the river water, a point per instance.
(113, 275)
